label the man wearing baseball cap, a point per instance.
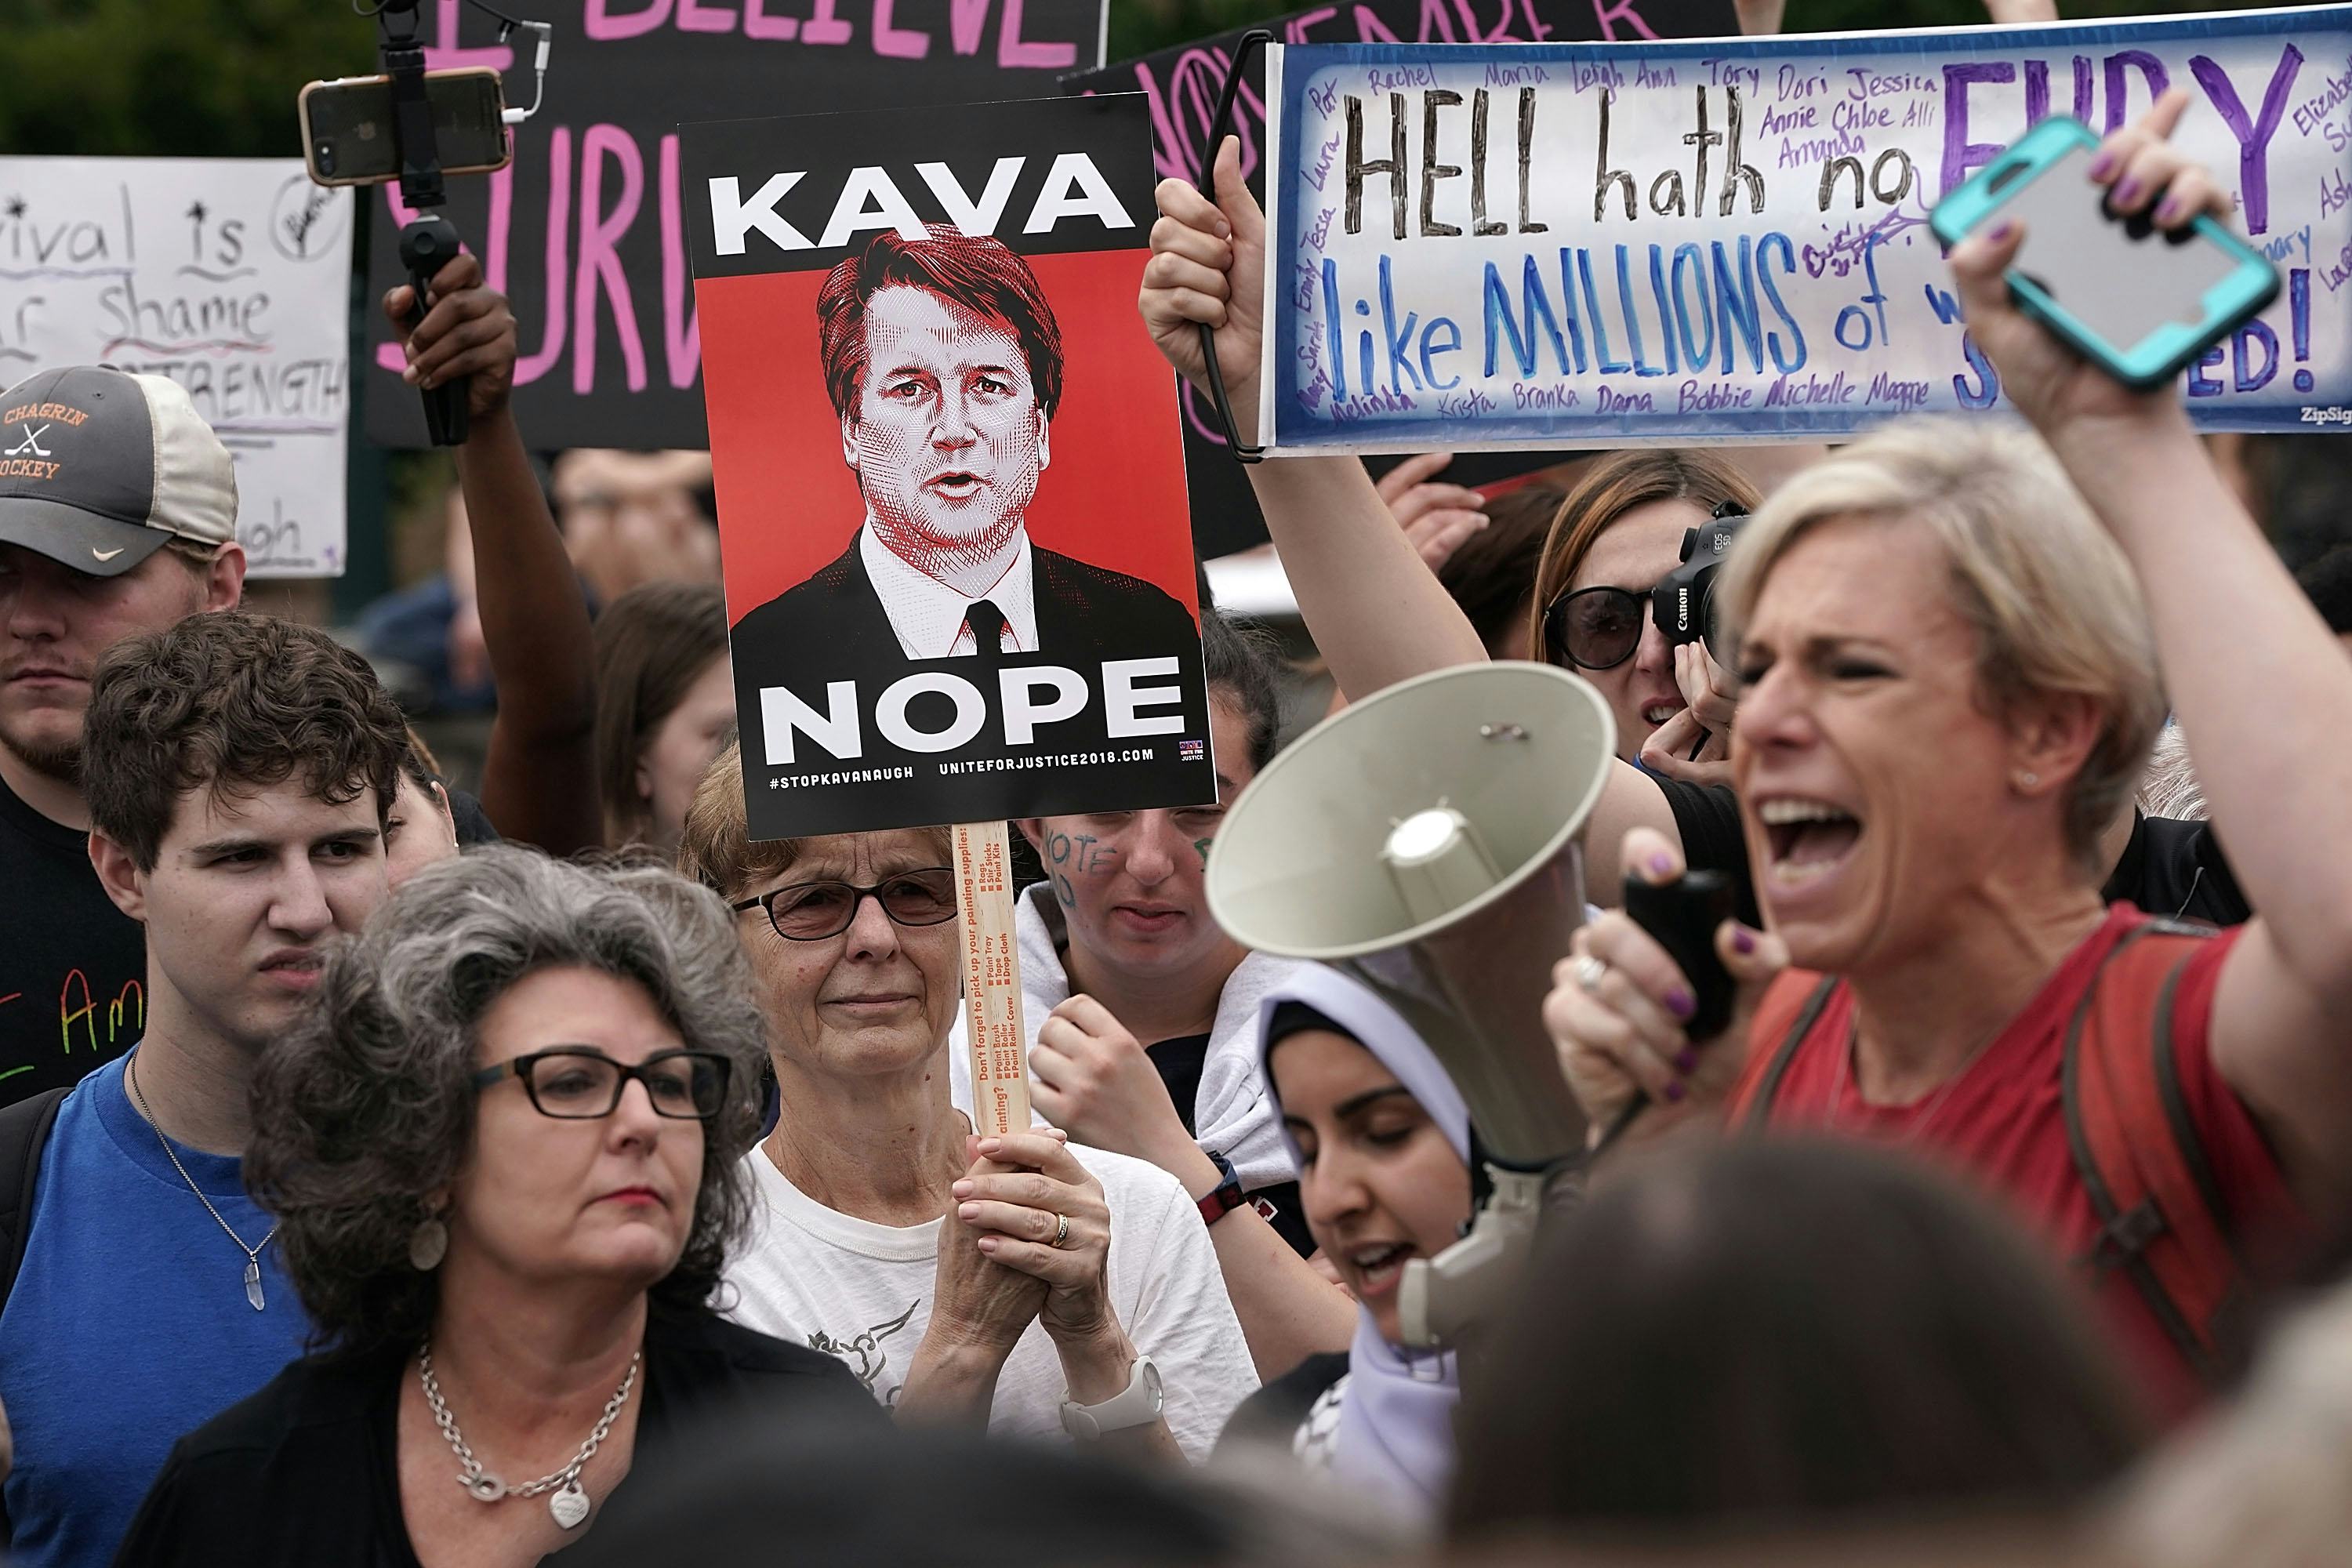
(118, 517)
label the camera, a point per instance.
(1682, 603)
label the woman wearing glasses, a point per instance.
(1033, 1286)
(1620, 532)
(504, 1152)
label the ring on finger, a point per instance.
(1061, 1230)
(1590, 971)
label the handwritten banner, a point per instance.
(585, 232)
(231, 276)
(1182, 84)
(1487, 247)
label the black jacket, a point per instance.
(832, 627)
(305, 1472)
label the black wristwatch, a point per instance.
(1228, 1195)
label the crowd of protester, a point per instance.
(563, 1140)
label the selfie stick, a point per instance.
(428, 241)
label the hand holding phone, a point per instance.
(2120, 256)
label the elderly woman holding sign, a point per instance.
(503, 1148)
(1037, 1287)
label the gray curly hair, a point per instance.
(367, 1107)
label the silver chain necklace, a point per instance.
(568, 1505)
(252, 1254)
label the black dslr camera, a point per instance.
(1682, 603)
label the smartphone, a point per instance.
(2137, 301)
(347, 130)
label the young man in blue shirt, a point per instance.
(239, 771)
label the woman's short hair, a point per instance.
(2054, 604)
(366, 1109)
(1613, 487)
(653, 643)
(1239, 664)
(1783, 1331)
(717, 849)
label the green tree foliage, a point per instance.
(170, 78)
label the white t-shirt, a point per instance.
(863, 1293)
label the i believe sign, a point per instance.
(1589, 245)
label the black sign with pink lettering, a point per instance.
(586, 231)
(1182, 84)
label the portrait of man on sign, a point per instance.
(944, 362)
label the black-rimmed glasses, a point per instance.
(812, 911)
(1595, 628)
(579, 1083)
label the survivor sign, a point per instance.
(951, 487)
(1559, 245)
(586, 231)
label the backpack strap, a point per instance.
(1754, 1110)
(23, 1134)
(2162, 1220)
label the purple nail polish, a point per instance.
(1742, 941)
(1675, 1093)
(2169, 210)
(2103, 165)
(2002, 231)
(1681, 1004)
(1662, 864)
(1687, 1059)
(2128, 193)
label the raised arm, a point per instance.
(539, 779)
(1376, 612)
(2263, 690)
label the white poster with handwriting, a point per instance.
(231, 276)
(1486, 246)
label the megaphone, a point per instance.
(1426, 841)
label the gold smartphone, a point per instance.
(347, 126)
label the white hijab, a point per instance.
(1396, 1421)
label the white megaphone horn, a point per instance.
(1426, 841)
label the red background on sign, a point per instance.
(1113, 497)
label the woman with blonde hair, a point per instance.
(1950, 687)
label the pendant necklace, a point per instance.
(567, 1500)
(252, 1254)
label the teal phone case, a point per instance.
(2242, 294)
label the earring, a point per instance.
(2027, 780)
(427, 1245)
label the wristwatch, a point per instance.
(1137, 1404)
(1228, 1195)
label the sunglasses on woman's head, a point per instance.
(1595, 628)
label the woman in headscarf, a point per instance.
(1382, 1142)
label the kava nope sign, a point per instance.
(950, 477)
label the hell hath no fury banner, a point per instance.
(1489, 246)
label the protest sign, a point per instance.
(585, 232)
(1182, 84)
(232, 277)
(906, 419)
(1487, 247)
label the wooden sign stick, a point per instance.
(991, 980)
